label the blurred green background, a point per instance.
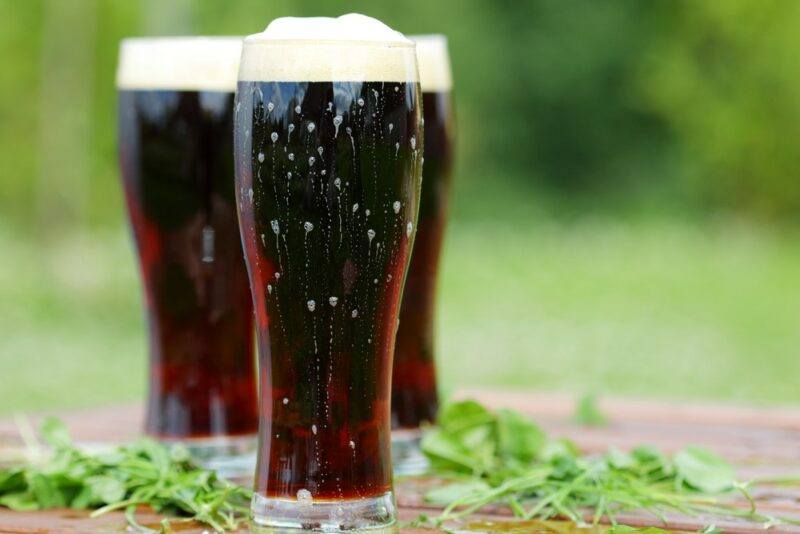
(624, 214)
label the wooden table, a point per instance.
(761, 442)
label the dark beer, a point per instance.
(328, 177)
(176, 154)
(414, 394)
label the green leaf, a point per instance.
(518, 437)
(704, 470)
(45, 491)
(462, 416)
(619, 459)
(448, 493)
(106, 489)
(54, 433)
(588, 413)
(21, 501)
(11, 480)
(445, 453)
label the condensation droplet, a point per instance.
(270, 106)
(311, 305)
(333, 301)
(361, 102)
(323, 172)
(291, 128)
(307, 226)
(277, 276)
(352, 444)
(320, 150)
(311, 161)
(311, 127)
(291, 156)
(276, 227)
(250, 195)
(355, 207)
(337, 182)
(274, 137)
(337, 121)
(413, 142)
(367, 212)
(261, 157)
(391, 127)
(371, 234)
(297, 109)
(269, 288)
(285, 400)
(396, 206)
(314, 429)
(354, 314)
(409, 227)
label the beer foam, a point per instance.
(352, 47)
(434, 63)
(180, 63)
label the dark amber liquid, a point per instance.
(328, 178)
(176, 157)
(414, 395)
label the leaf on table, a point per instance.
(518, 437)
(704, 470)
(106, 489)
(444, 495)
(21, 501)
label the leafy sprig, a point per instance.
(503, 457)
(122, 478)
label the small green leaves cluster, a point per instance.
(124, 477)
(504, 457)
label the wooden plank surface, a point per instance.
(762, 442)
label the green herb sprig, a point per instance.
(124, 477)
(504, 457)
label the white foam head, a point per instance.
(348, 48)
(434, 63)
(181, 63)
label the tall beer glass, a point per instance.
(414, 397)
(176, 157)
(328, 168)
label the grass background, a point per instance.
(659, 307)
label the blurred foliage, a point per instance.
(569, 102)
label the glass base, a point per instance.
(375, 513)
(232, 457)
(407, 458)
